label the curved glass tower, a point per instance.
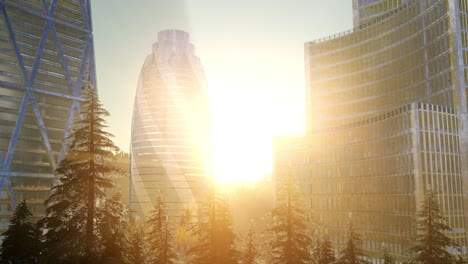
(46, 57)
(386, 120)
(170, 129)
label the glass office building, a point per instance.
(170, 130)
(365, 11)
(386, 120)
(46, 58)
(377, 169)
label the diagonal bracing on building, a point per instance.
(46, 58)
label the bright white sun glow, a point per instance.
(243, 132)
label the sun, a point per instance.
(241, 156)
(243, 129)
(241, 149)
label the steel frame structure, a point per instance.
(20, 19)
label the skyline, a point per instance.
(365, 132)
(240, 50)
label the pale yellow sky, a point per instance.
(253, 58)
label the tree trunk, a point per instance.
(90, 209)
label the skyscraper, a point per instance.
(46, 58)
(170, 129)
(365, 11)
(386, 120)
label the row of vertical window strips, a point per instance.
(375, 214)
(390, 127)
(435, 73)
(445, 115)
(382, 37)
(464, 35)
(441, 165)
(370, 49)
(380, 141)
(335, 198)
(385, 23)
(369, 10)
(376, 227)
(368, 22)
(370, 209)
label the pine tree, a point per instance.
(186, 219)
(215, 236)
(353, 252)
(136, 250)
(70, 222)
(22, 240)
(250, 253)
(113, 224)
(160, 239)
(169, 253)
(431, 242)
(225, 237)
(323, 252)
(184, 234)
(291, 241)
(387, 258)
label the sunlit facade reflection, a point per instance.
(170, 129)
(386, 119)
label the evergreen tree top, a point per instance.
(158, 216)
(216, 240)
(291, 235)
(22, 214)
(250, 252)
(323, 252)
(431, 242)
(72, 213)
(22, 242)
(353, 252)
(88, 135)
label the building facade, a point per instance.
(170, 129)
(46, 58)
(386, 120)
(365, 11)
(377, 169)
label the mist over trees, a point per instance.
(184, 232)
(86, 222)
(249, 253)
(216, 239)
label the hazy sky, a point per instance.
(252, 52)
